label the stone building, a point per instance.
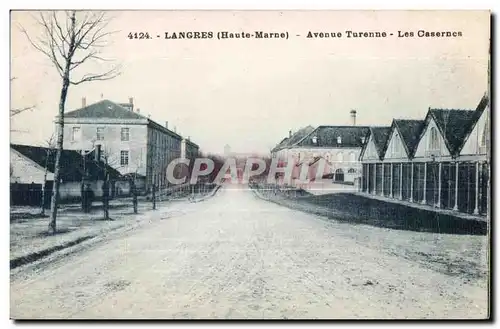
(133, 144)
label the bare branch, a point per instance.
(44, 48)
(14, 112)
(111, 74)
(63, 38)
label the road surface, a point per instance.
(235, 256)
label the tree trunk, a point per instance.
(60, 139)
(134, 200)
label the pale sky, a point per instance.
(249, 93)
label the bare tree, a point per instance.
(69, 39)
(50, 150)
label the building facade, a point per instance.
(133, 144)
(338, 146)
(441, 161)
(32, 170)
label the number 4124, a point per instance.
(139, 35)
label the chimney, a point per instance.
(175, 129)
(97, 153)
(102, 96)
(166, 124)
(131, 102)
(353, 117)
(289, 133)
(84, 102)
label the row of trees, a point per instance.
(70, 39)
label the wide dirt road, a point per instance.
(237, 256)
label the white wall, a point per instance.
(395, 147)
(71, 190)
(423, 144)
(112, 143)
(26, 171)
(370, 151)
(472, 145)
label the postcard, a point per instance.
(244, 164)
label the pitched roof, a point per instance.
(327, 136)
(483, 103)
(104, 109)
(293, 139)
(280, 144)
(111, 110)
(454, 125)
(380, 138)
(409, 130)
(299, 135)
(71, 162)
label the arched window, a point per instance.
(396, 144)
(351, 171)
(339, 175)
(340, 157)
(484, 136)
(433, 141)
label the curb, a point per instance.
(34, 256)
(347, 217)
(45, 255)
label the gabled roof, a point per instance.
(327, 136)
(104, 109)
(410, 131)
(454, 125)
(380, 138)
(280, 144)
(483, 103)
(71, 162)
(299, 135)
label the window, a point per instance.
(124, 158)
(340, 157)
(351, 171)
(100, 134)
(433, 141)
(339, 175)
(396, 145)
(484, 136)
(339, 140)
(125, 134)
(75, 134)
(352, 157)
